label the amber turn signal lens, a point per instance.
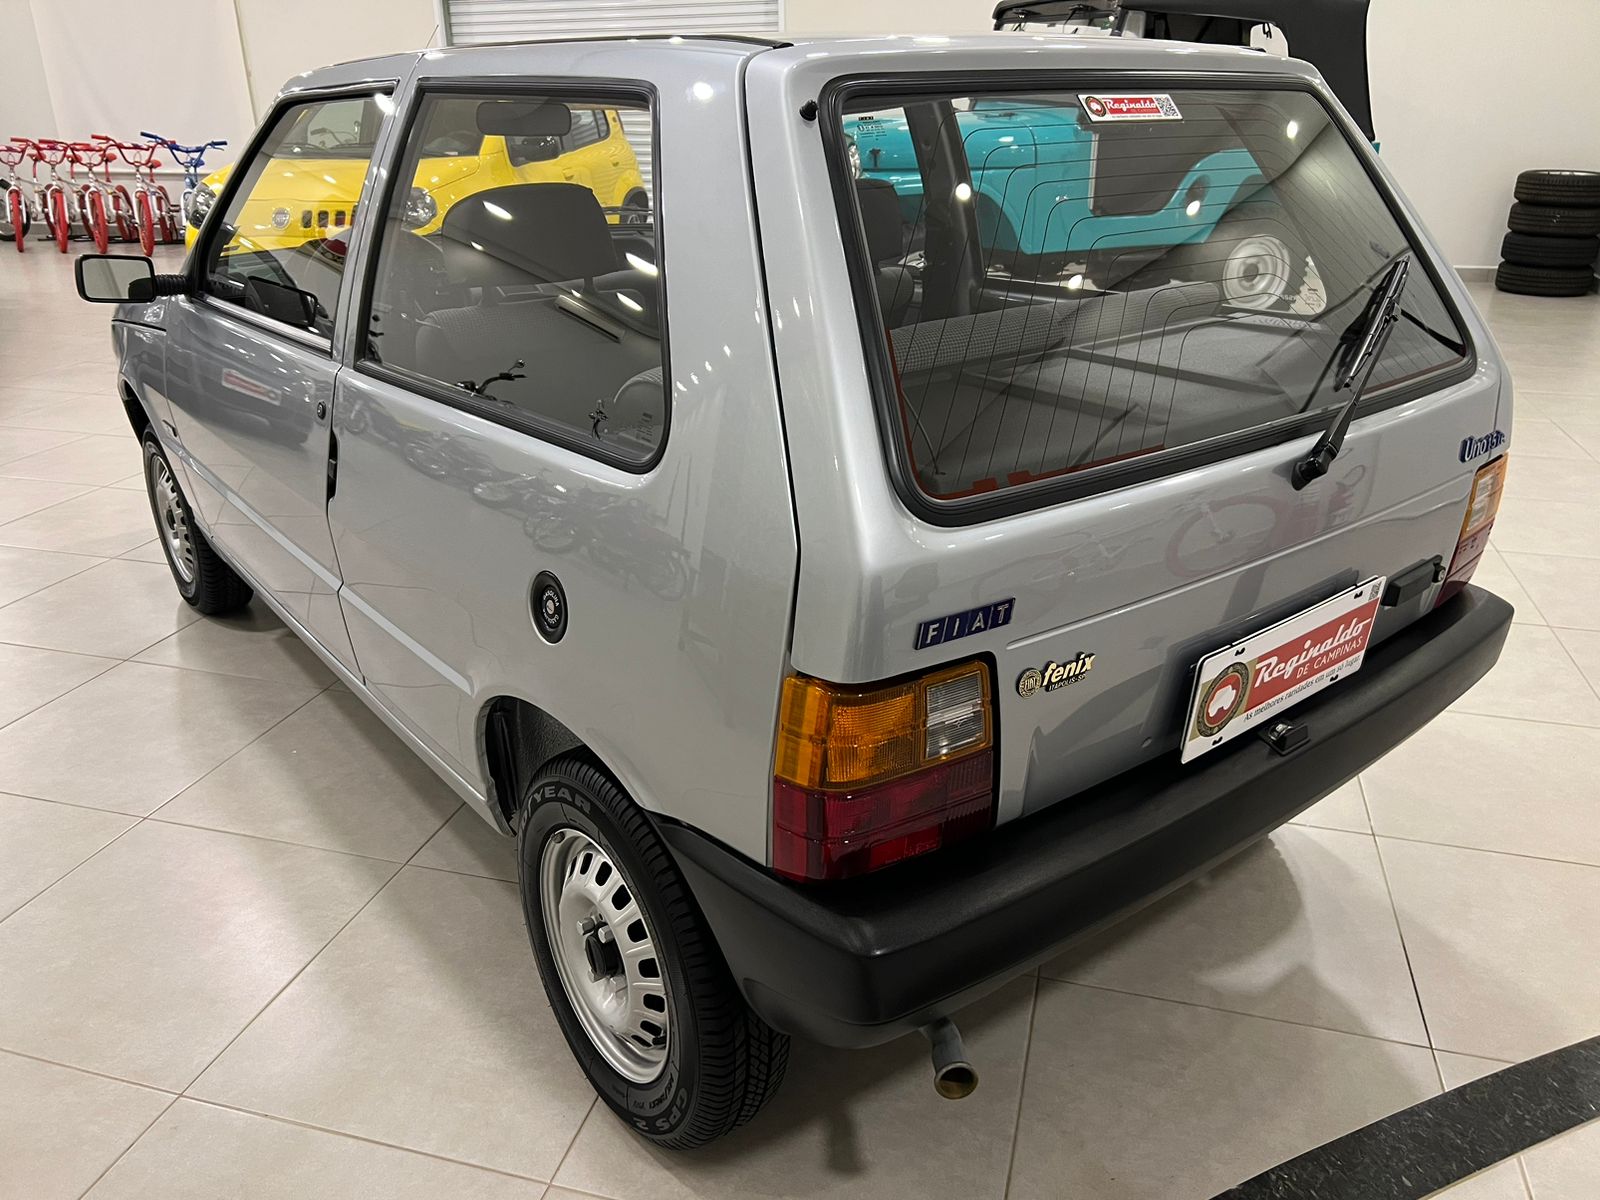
(1483, 505)
(838, 737)
(869, 776)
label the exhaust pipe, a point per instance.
(954, 1077)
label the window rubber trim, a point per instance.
(598, 88)
(193, 271)
(1022, 498)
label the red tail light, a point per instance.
(866, 777)
(1483, 505)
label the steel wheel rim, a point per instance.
(172, 519)
(625, 1011)
(1257, 272)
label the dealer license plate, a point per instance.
(1245, 683)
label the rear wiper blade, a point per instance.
(1360, 349)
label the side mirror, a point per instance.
(280, 301)
(115, 278)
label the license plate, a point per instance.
(1243, 684)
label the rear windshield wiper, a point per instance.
(1360, 349)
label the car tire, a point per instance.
(1544, 281)
(1252, 256)
(1531, 250)
(204, 580)
(709, 1063)
(1568, 189)
(1554, 220)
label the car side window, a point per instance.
(588, 129)
(526, 284)
(279, 247)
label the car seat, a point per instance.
(880, 220)
(550, 295)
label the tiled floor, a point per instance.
(250, 947)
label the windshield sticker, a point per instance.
(939, 630)
(1158, 107)
(1054, 675)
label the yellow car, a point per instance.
(311, 185)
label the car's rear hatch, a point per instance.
(1083, 460)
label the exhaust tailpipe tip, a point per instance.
(954, 1076)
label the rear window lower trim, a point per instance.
(1075, 485)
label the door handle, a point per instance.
(322, 410)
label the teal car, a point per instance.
(1032, 166)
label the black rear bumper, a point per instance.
(857, 963)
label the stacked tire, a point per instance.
(1554, 241)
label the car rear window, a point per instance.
(1067, 283)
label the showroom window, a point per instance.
(278, 249)
(528, 289)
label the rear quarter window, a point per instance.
(1074, 285)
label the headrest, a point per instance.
(528, 233)
(880, 217)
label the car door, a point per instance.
(506, 402)
(250, 362)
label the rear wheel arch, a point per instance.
(517, 739)
(137, 416)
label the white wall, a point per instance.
(284, 37)
(191, 69)
(25, 108)
(1465, 94)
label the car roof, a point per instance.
(848, 51)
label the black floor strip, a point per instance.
(1434, 1144)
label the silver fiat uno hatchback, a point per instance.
(861, 513)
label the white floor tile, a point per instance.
(60, 1128)
(1299, 928)
(1567, 1167)
(105, 522)
(20, 497)
(1521, 787)
(20, 443)
(1129, 1098)
(469, 844)
(1457, 1069)
(1503, 1181)
(330, 775)
(1344, 809)
(114, 609)
(34, 677)
(40, 842)
(202, 1152)
(423, 1025)
(1566, 590)
(97, 459)
(1496, 947)
(253, 643)
(1584, 646)
(1493, 573)
(1535, 679)
(147, 964)
(847, 1124)
(1533, 437)
(131, 739)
